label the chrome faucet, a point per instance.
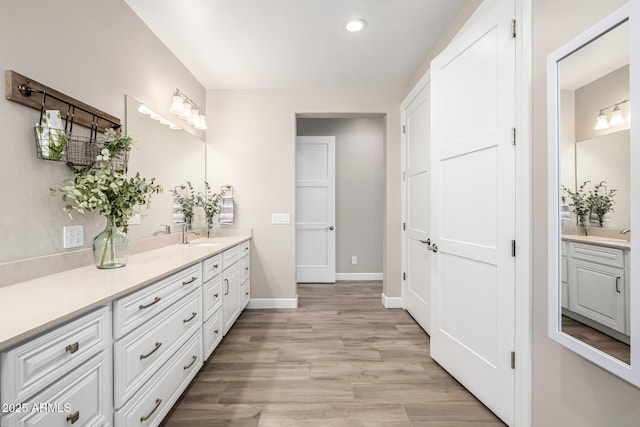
(185, 234)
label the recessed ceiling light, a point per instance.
(355, 24)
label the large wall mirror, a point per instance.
(593, 303)
(172, 156)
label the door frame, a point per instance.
(523, 232)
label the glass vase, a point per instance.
(111, 246)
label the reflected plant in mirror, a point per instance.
(592, 300)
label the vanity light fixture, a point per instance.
(355, 25)
(186, 109)
(616, 116)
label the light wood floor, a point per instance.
(340, 359)
(597, 339)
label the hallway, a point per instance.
(340, 359)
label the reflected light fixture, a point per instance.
(186, 109)
(601, 121)
(143, 109)
(616, 116)
(354, 25)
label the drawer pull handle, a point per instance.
(194, 314)
(144, 356)
(158, 402)
(155, 301)
(246, 293)
(72, 348)
(216, 332)
(215, 265)
(618, 284)
(227, 282)
(188, 282)
(73, 417)
(246, 268)
(190, 364)
(215, 295)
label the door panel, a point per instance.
(417, 295)
(315, 209)
(473, 208)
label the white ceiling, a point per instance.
(269, 44)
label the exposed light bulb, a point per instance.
(601, 121)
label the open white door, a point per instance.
(315, 209)
(417, 181)
(473, 207)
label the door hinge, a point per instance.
(404, 129)
(513, 360)
(513, 28)
(404, 276)
(404, 226)
(513, 248)
(513, 136)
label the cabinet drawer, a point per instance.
(211, 296)
(34, 365)
(82, 398)
(135, 309)
(230, 256)
(245, 293)
(149, 407)
(244, 248)
(212, 333)
(600, 254)
(140, 354)
(244, 269)
(212, 267)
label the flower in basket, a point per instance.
(108, 190)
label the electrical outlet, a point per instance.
(354, 259)
(134, 220)
(73, 236)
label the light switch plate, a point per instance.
(73, 236)
(280, 218)
(134, 220)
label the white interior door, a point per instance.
(417, 181)
(315, 209)
(473, 207)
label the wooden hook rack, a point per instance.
(24, 90)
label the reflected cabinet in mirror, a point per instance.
(172, 156)
(592, 194)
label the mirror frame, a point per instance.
(629, 12)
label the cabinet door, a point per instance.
(598, 292)
(231, 295)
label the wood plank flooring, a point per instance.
(597, 339)
(340, 359)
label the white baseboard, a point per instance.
(261, 303)
(359, 276)
(391, 302)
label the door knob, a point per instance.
(426, 242)
(433, 248)
(331, 227)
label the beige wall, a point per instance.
(567, 390)
(251, 145)
(359, 188)
(95, 51)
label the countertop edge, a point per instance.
(13, 296)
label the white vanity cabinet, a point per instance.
(212, 304)
(158, 347)
(564, 274)
(62, 377)
(598, 284)
(235, 283)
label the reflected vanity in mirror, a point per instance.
(592, 300)
(172, 156)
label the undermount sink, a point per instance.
(205, 244)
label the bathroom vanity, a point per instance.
(595, 283)
(118, 347)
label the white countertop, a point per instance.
(31, 307)
(609, 242)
